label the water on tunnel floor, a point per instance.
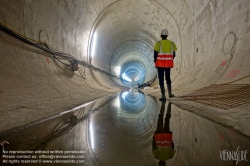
(119, 130)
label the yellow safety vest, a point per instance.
(165, 49)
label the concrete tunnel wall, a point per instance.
(212, 37)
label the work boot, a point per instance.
(163, 97)
(169, 91)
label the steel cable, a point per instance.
(45, 47)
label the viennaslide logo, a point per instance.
(238, 155)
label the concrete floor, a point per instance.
(212, 37)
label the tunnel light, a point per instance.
(93, 46)
(125, 77)
(137, 78)
(92, 135)
(117, 102)
(117, 70)
(124, 95)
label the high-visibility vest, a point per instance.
(163, 140)
(165, 59)
(164, 150)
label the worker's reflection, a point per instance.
(162, 144)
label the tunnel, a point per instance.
(112, 95)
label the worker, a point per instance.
(164, 54)
(162, 144)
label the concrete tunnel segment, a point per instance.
(212, 37)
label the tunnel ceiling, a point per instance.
(126, 31)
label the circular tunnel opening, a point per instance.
(133, 73)
(124, 45)
(132, 102)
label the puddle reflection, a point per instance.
(131, 129)
(162, 144)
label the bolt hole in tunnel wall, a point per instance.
(118, 36)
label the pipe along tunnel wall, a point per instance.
(212, 37)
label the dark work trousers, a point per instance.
(161, 126)
(161, 72)
(164, 128)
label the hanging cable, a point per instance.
(81, 74)
(45, 47)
